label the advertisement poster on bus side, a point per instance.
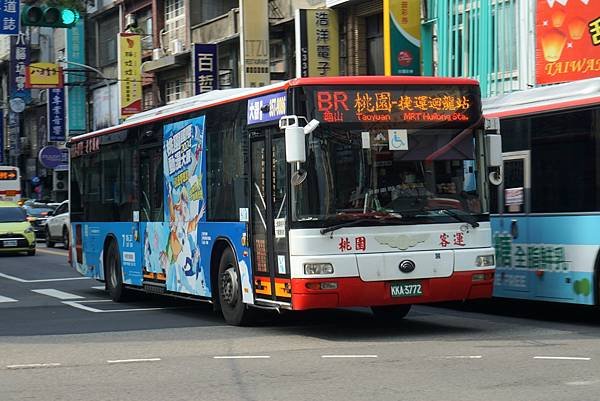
(567, 41)
(172, 247)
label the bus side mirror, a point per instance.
(493, 150)
(295, 148)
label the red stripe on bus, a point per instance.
(544, 108)
(12, 191)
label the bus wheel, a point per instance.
(49, 242)
(230, 290)
(390, 312)
(114, 277)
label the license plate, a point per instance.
(9, 243)
(413, 289)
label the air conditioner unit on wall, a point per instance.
(176, 46)
(157, 53)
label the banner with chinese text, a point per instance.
(402, 37)
(56, 115)
(43, 76)
(10, 17)
(206, 68)
(567, 40)
(130, 73)
(317, 43)
(254, 43)
(76, 92)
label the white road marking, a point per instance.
(78, 305)
(22, 280)
(464, 357)
(33, 365)
(242, 357)
(582, 383)
(58, 253)
(563, 358)
(349, 356)
(57, 294)
(99, 287)
(134, 360)
(7, 299)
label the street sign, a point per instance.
(56, 115)
(9, 17)
(50, 157)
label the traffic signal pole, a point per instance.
(97, 71)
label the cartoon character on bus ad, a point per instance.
(171, 247)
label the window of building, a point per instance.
(174, 21)
(375, 44)
(175, 89)
(108, 30)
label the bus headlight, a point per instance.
(318, 268)
(484, 260)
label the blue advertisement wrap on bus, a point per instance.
(552, 259)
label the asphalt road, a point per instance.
(61, 338)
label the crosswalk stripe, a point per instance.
(57, 294)
(7, 299)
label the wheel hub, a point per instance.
(229, 286)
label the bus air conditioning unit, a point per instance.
(59, 180)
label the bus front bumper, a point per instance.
(354, 292)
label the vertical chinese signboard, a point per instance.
(402, 37)
(317, 43)
(9, 17)
(76, 93)
(19, 60)
(254, 43)
(206, 68)
(130, 73)
(567, 41)
(56, 115)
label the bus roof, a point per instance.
(217, 97)
(543, 99)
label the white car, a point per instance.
(57, 226)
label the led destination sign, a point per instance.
(457, 106)
(8, 175)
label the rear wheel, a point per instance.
(65, 238)
(234, 310)
(114, 276)
(49, 242)
(390, 312)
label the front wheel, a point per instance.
(390, 313)
(113, 273)
(233, 308)
(31, 253)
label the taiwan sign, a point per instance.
(317, 45)
(56, 115)
(10, 17)
(402, 37)
(206, 68)
(567, 40)
(130, 73)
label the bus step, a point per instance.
(154, 288)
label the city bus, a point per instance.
(305, 194)
(546, 215)
(10, 184)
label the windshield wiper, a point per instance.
(381, 220)
(465, 218)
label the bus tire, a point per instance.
(390, 313)
(49, 242)
(114, 275)
(233, 308)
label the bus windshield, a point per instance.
(355, 173)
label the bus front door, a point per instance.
(269, 243)
(511, 228)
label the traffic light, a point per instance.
(52, 17)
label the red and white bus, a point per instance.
(310, 193)
(10, 184)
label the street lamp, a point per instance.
(97, 71)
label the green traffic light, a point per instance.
(69, 16)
